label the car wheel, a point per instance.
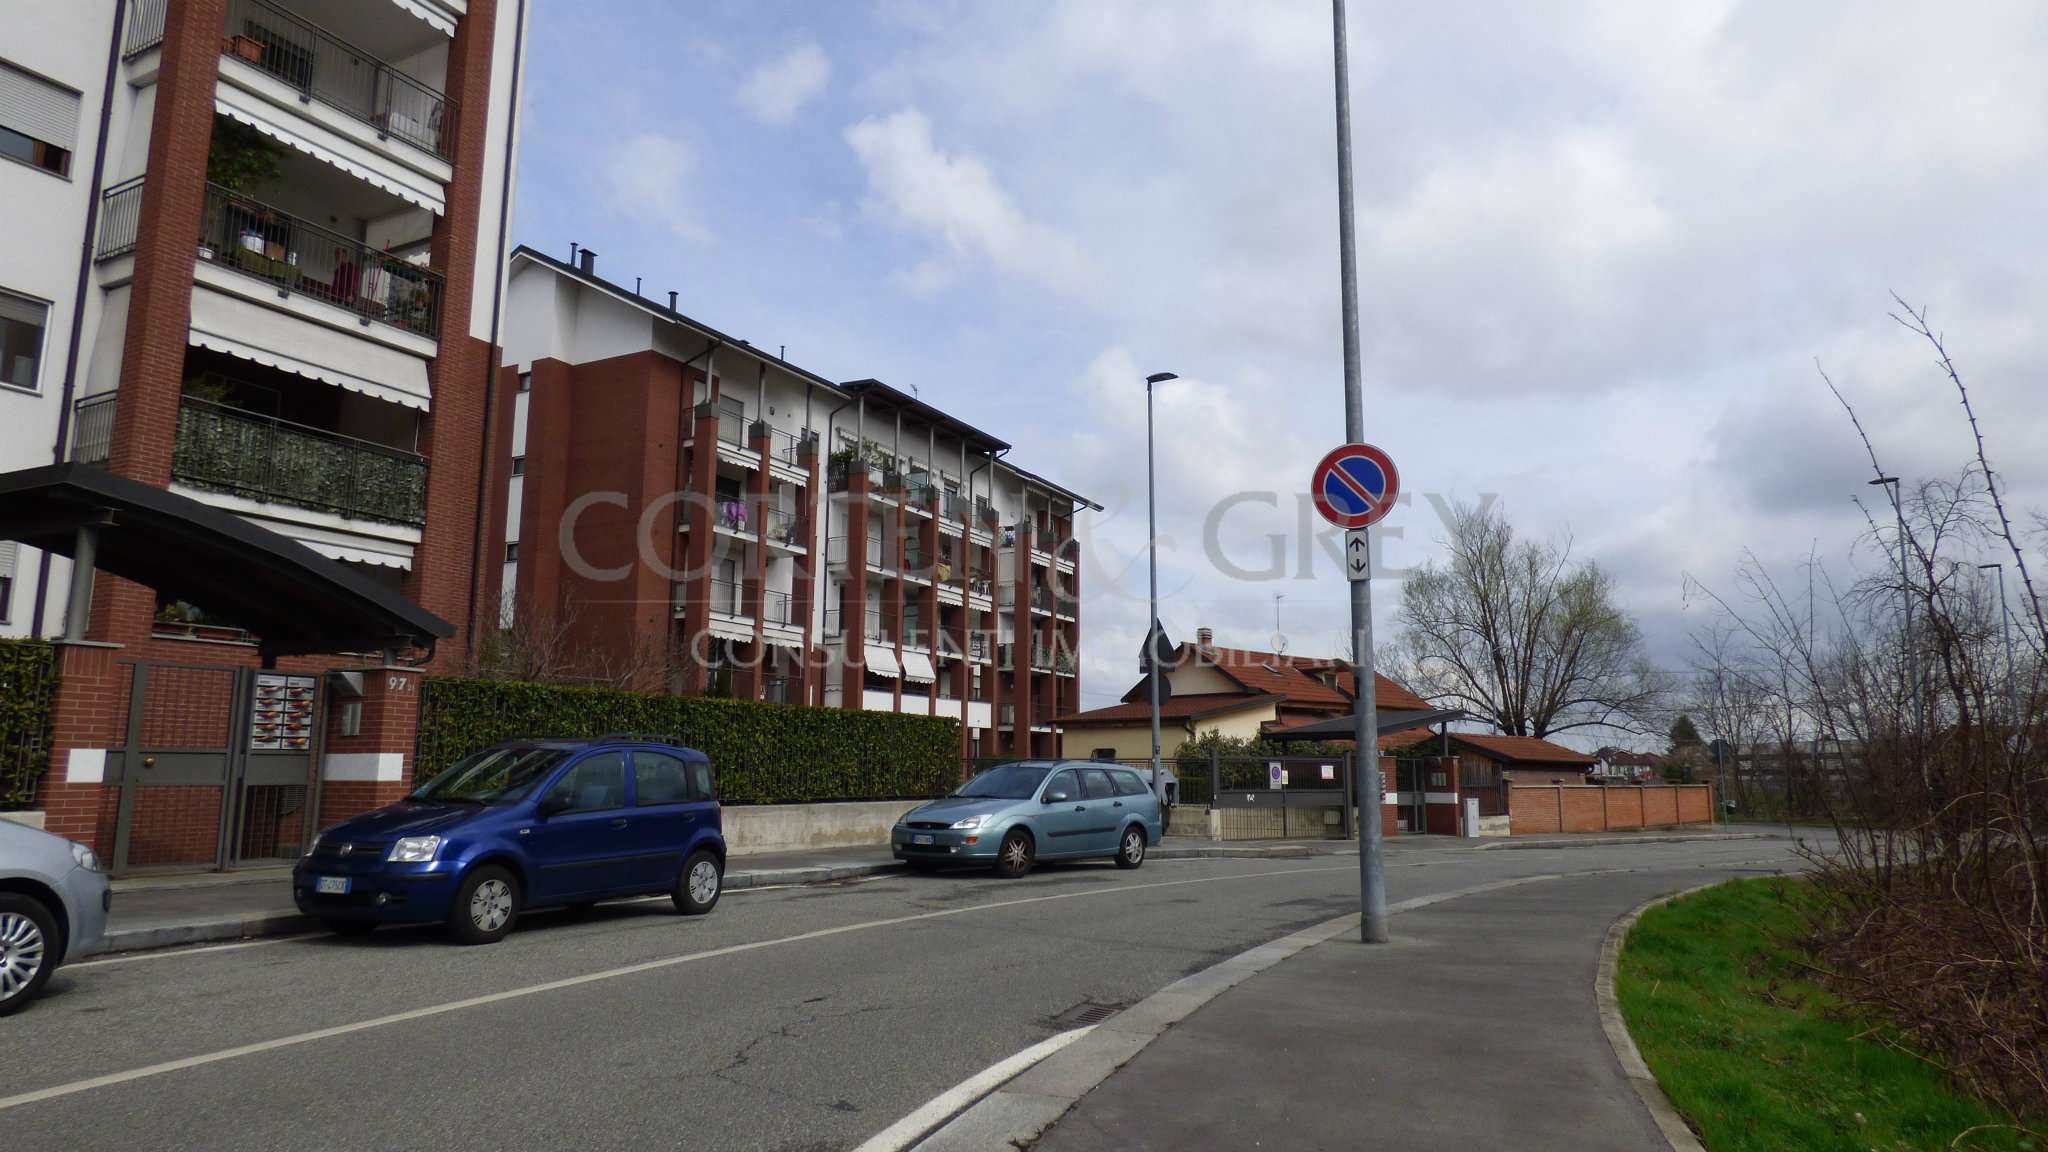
(1013, 858)
(28, 950)
(1131, 852)
(486, 906)
(697, 889)
(349, 927)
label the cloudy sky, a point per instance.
(1601, 245)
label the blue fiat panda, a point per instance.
(529, 824)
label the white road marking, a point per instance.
(941, 1108)
(175, 953)
(179, 1065)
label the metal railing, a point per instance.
(983, 585)
(782, 446)
(725, 598)
(953, 506)
(732, 514)
(92, 429)
(145, 27)
(783, 526)
(1041, 601)
(225, 449)
(732, 429)
(914, 557)
(1041, 659)
(777, 607)
(325, 68)
(778, 689)
(120, 219)
(254, 238)
(836, 552)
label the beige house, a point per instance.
(1124, 731)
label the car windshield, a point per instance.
(492, 776)
(1009, 782)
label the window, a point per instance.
(511, 551)
(38, 120)
(526, 381)
(8, 554)
(21, 340)
(519, 465)
(594, 785)
(1098, 784)
(1103, 754)
(701, 787)
(658, 778)
(1129, 784)
(1064, 782)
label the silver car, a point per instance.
(1015, 815)
(53, 908)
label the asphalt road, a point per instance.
(791, 1019)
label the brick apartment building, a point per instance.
(685, 511)
(255, 258)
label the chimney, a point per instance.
(671, 301)
(1205, 637)
(587, 262)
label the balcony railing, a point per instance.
(732, 429)
(732, 514)
(324, 68)
(953, 506)
(784, 527)
(120, 219)
(1041, 602)
(835, 551)
(224, 449)
(145, 27)
(778, 607)
(92, 429)
(252, 237)
(782, 446)
(725, 598)
(1041, 659)
(778, 689)
(914, 558)
(983, 585)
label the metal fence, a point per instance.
(92, 429)
(258, 240)
(145, 27)
(225, 449)
(325, 68)
(120, 219)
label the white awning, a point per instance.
(917, 668)
(358, 555)
(240, 328)
(882, 661)
(436, 19)
(252, 110)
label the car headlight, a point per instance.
(414, 850)
(313, 845)
(85, 857)
(972, 822)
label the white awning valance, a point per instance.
(257, 114)
(262, 335)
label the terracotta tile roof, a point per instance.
(1297, 678)
(1511, 749)
(1177, 708)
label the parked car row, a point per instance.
(568, 823)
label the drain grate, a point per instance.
(1085, 1013)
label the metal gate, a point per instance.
(215, 767)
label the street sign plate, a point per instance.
(1355, 486)
(1275, 776)
(1358, 555)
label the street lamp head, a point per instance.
(1983, 567)
(1882, 480)
(1159, 378)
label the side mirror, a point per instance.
(1057, 796)
(552, 804)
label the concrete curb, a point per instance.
(205, 931)
(1018, 1112)
(1676, 1132)
(1610, 841)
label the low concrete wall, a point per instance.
(789, 827)
(1495, 826)
(32, 819)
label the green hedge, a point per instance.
(28, 689)
(762, 753)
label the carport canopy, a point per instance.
(1341, 727)
(294, 599)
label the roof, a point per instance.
(1196, 707)
(296, 600)
(1393, 723)
(923, 411)
(1276, 673)
(1512, 749)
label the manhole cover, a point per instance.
(1085, 1013)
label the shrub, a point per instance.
(28, 688)
(762, 753)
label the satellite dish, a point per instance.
(1280, 643)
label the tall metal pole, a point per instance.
(1372, 890)
(2012, 668)
(1152, 622)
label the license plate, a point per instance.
(332, 885)
(920, 839)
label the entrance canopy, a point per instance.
(1340, 727)
(296, 600)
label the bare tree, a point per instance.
(554, 647)
(1518, 632)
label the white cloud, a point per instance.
(778, 89)
(925, 279)
(647, 177)
(955, 197)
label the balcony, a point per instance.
(226, 450)
(731, 516)
(779, 609)
(835, 552)
(321, 67)
(120, 219)
(782, 529)
(953, 507)
(1041, 659)
(145, 27)
(835, 617)
(302, 258)
(727, 599)
(1041, 602)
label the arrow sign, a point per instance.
(1355, 486)
(1357, 555)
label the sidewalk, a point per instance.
(191, 908)
(1477, 1028)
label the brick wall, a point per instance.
(1593, 808)
(90, 712)
(187, 707)
(389, 725)
(174, 824)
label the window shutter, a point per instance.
(35, 107)
(8, 553)
(21, 311)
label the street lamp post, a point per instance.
(1152, 558)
